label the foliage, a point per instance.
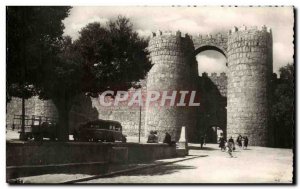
(114, 55)
(32, 37)
(283, 107)
(103, 57)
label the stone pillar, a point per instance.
(248, 76)
(182, 145)
(171, 57)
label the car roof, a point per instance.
(101, 121)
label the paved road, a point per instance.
(255, 165)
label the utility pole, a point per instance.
(140, 123)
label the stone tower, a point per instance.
(174, 68)
(249, 72)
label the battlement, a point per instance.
(262, 28)
(211, 36)
(214, 75)
(170, 33)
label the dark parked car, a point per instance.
(100, 130)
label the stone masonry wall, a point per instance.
(171, 58)
(218, 40)
(33, 106)
(220, 81)
(246, 87)
(247, 103)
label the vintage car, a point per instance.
(39, 130)
(100, 130)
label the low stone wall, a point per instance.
(32, 153)
(31, 158)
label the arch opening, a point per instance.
(210, 48)
(211, 60)
(212, 114)
(213, 134)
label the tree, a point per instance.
(114, 55)
(103, 57)
(63, 81)
(282, 110)
(32, 37)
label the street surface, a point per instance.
(255, 165)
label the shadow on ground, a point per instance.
(161, 170)
(199, 148)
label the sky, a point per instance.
(197, 20)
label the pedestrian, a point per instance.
(246, 142)
(155, 137)
(201, 141)
(222, 143)
(232, 141)
(239, 141)
(167, 138)
(243, 142)
(230, 146)
(204, 140)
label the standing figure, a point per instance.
(167, 138)
(229, 146)
(232, 141)
(201, 141)
(246, 142)
(243, 142)
(155, 137)
(239, 141)
(222, 143)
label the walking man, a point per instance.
(201, 141)
(229, 147)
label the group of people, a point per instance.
(153, 138)
(230, 145)
(242, 141)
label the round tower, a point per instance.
(172, 59)
(249, 61)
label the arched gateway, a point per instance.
(249, 58)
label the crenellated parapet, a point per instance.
(167, 46)
(219, 80)
(209, 42)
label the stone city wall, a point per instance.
(170, 54)
(33, 106)
(218, 40)
(246, 87)
(247, 102)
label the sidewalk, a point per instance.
(114, 170)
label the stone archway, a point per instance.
(249, 55)
(216, 42)
(212, 87)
